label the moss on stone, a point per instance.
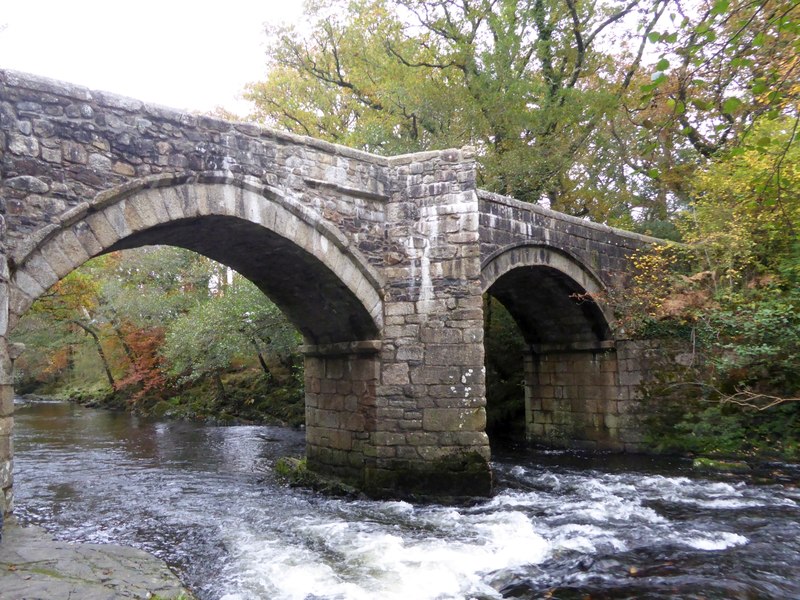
(452, 479)
(295, 472)
(726, 466)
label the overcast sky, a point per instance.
(183, 54)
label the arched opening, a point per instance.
(163, 331)
(550, 358)
(314, 298)
(307, 268)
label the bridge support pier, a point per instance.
(340, 384)
(6, 426)
(580, 399)
(6, 387)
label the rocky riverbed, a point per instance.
(33, 566)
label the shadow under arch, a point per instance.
(327, 289)
(550, 294)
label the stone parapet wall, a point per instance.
(65, 144)
(603, 251)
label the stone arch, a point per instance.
(552, 295)
(306, 266)
(570, 362)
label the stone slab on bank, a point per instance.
(33, 566)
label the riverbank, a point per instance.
(33, 566)
(248, 397)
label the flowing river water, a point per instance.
(560, 525)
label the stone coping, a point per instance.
(553, 214)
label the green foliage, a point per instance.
(713, 430)
(150, 325)
(529, 84)
(731, 61)
(744, 227)
(505, 378)
(294, 471)
(230, 326)
(754, 341)
(724, 466)
(706, 426)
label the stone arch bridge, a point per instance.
(380, 262)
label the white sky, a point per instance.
(183, 54)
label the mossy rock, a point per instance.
(295, 472)
(161, 409)
(724, 466)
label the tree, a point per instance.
(211, 337)
(528, 82)
(725, 65)
(746, 214)
(68, 307)
(124, 305)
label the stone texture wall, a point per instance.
(431, 398)
(604, 251)
(576, 401)
(340, 385)
(593, 400)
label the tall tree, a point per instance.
(528, 82)
(723, 66)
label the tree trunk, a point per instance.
(123, 343)
(219, 385)
(100, 351)
(261, 360)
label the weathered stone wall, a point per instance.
(603, 251)
(340, 384)
(576, 400)
(431, 408)
(65, 144)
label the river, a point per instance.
(561, 525)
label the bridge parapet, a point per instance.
(605, 251)
(66, 144)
